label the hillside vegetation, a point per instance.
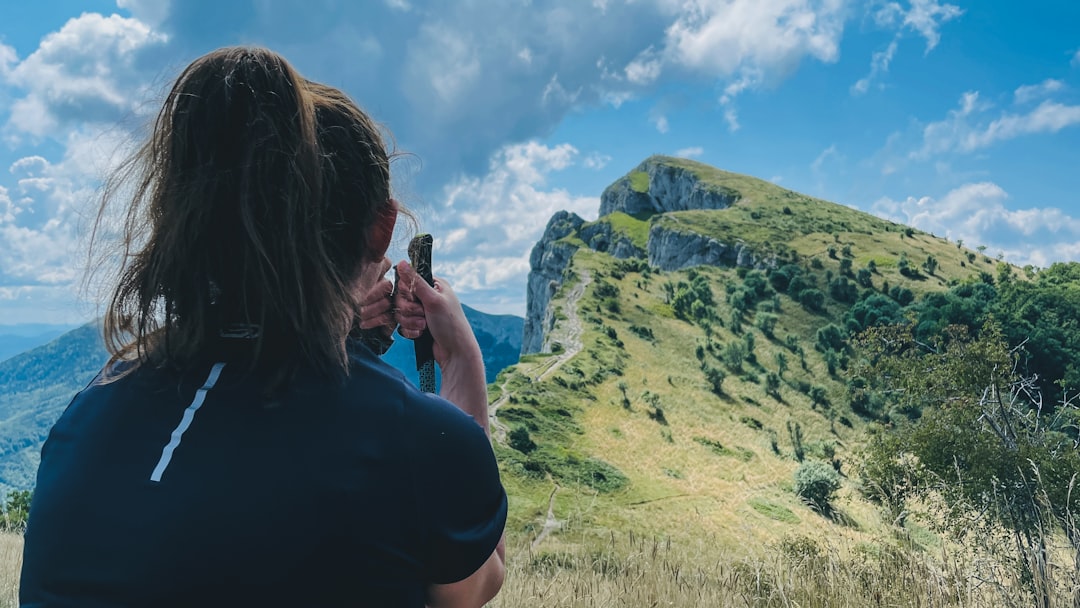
(698, 394)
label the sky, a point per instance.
(960, 118)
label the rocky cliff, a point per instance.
(549, 258)
(656, 186)
(671, 249)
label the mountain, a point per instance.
(683, 352)
(36, 385)
(15, 339)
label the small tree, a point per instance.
(990, 455)
(930, 265)
(772, 384)
(17, 509)
(816, 483)
(715, 378)
(766, 322)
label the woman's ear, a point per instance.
(382, 230)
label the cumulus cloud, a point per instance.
(970, 127)
(43, 221)
(87, 72)
(455, 83)
(8, 58)
(492, 221)
(719, 37)
(976, 213)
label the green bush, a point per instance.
(816, 483)
(521, 441)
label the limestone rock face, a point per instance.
(548, 260)
(674, 250)
(670, 188)
(654, 187)
(601, 237)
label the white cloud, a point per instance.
(596, 161)
(661, 123)
(721, 36)
(8, 58)
(1032, 92)
(29, 166)
(86, 72)
(970, 128)
(1048, 117)
(43, 223)
(731, 117)
(976, 213)
(1076, 59)
(497, 218)
(815, 166)
(644, 69)
(924, 17)
(151, 12)
(690, 152)
(7, 207)
(748, 78)
(442, 61)
(879, 64)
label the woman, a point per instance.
(239, 448)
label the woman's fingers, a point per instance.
(377, 306)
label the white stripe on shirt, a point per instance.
(185, 422)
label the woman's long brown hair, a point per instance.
(250, 203)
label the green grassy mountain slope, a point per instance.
(618, 422)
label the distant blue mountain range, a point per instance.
(36, 385)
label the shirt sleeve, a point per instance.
(457, 483)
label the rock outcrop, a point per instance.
(670, 188)
(671, 249)
(548, 260)
(658, 185)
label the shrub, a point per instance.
(521, 441)
(766, 322)
(715, 377)
(816, 483)
(603, 289)
(812, 299)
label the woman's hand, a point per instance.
(420, 306)
(376, 303)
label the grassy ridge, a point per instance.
(694, 466)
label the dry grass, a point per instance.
(798, 572)
(11, 546)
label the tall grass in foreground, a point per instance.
(636, 572)
(11, 546)
(640, 572)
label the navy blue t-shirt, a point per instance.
(169, 489)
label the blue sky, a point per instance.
(961, 118)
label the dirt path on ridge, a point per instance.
(567, 333)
